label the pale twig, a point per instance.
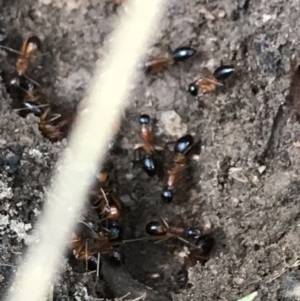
(87, 147)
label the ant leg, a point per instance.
(32, 80)
(10, 49)
(55, 116)
(22, 109)
(137, 153)
(166, 237)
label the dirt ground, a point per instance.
(246, 123)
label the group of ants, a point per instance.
(104, 237)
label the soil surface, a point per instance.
(242, 174)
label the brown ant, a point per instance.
(28, 51)
(101, 184)
(108, 205)
(34, 101)
(161, 228)
(158, 64)
(54, 128)
(203, 245)
(110, 208)
(182, 146)
(148, 147)
(85, 247)
(209, 84)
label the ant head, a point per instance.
(167, 195)
(144, 119)
(191, 232)
(193, 89)
(116, 258)
(115, 231)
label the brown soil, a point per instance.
(246, 123)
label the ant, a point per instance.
(161, 228)
(209, 84)
(203, 245)
(146, 134)
(27, 99)
(30, 48)
(182, 146)
(54, 128)
(110, 209)
(84, 247)
(108, 205)
(158, 64)
(102, 184)
(34, 101)
(114, 230)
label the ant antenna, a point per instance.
(164, 221)
(22, 109)
(10, 49)
(56, 116)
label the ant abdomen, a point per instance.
(149, 164)
(156, 228)
(223, 72)
(183, 144)
(183, 53)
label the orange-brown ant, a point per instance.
(85, 246)
(148, 147)
(34, 101)
(54, 127)
(209, 84)
(110, 207)
(182, 146)
(166, 231)
(28, 51)
(107, 204)
(199, 254)
(158, 64)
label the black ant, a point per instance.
(158, 64)
(182, 146)
(209, 84)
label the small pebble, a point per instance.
(172, 124)
(261, 169)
